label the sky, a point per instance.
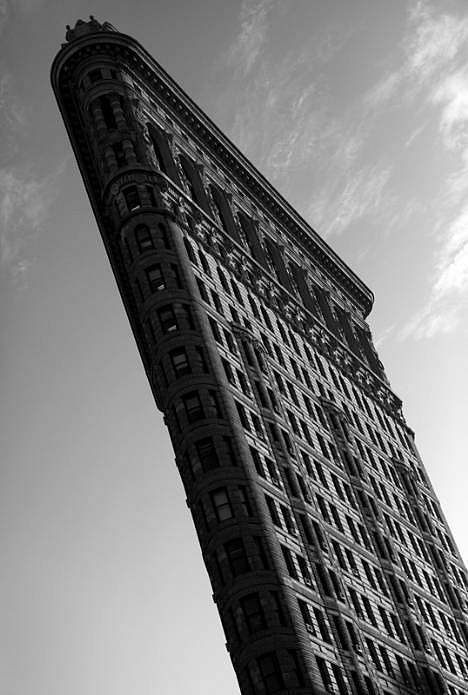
(358, 114)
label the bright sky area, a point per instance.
(358, 113)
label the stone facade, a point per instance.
(331, 563)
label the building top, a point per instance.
(83, 28)
(95, 36)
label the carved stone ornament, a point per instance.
(82, 28)
(289, 310)
(182, 209)
(233, 263)
(200, 231)
(216, 238)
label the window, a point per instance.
(270, 672)
(253, 612)
(288, 519)
(173, 276)
(151, 196)
(155, 278)
(221, 504)
(193, 406)
(215, 330)
(167, 319)
(143, 238)
(306, 616)
(107, 113)
(190, 251)
(237, 557)
(243, 416)
(199, 361)
(289, 562)
(278, 608)
(212, 406)
(257, 462)
(132, 199)
(207, 455)
(119, 154)
(273, 511)
(244, 501)
(179, 361)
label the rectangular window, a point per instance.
(244, 501)
(132, 199)
(289, 562)
(221, 504)
(270, 672)
(237, 557)
(273, 510)
(212, 405)
(143, 238)
(193, 407)
(199, 361)
(253, 612)
(174, 276)
(278, 608)
(179, 361)
(167, 319)
(207, 453)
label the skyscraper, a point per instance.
(332, 566)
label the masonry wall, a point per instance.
(331, 563)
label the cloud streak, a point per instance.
(25, 201)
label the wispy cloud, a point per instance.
(25, 201)
(434, 40)
(343, 161)
(247, 47)
(25, 197)
(439, 57)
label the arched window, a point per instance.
(143, 238)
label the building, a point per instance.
(332, 566)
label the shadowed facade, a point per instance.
(331, 563)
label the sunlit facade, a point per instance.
(331, 563)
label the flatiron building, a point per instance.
(332, 566)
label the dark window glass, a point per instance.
(143, 238)
(193, 406)
(253, 612)
(199, 361)
(270, 672)
(119, 154)
(155, 278)
(173, 275)
(151, 196)
(107, 113)
(167, 319)
(190, 251)
(132, 198)
(212, 406)
(207, 454)
(221, 504)
(244, 501)
(278, 608)
(237, 557)
(180, 362)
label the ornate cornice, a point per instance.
(122, 47)
(178, 205)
